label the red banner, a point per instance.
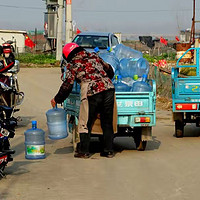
(78, 31)
(29, 42)
(164, 41)
(177, 39)
(68, 1)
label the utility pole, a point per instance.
(192, 36)
(68, 21)
(59, 30)
(35, 39)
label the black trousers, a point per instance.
(102, 103)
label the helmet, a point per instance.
(68, 48)
(7, 48)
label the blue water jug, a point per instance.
(141, 86)
(120, 86)
(57, 124)
(128, 81)
(142, 67)
(121, 51)
(111, 59)
(128, 67)
(34, 142)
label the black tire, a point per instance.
(140, 145)
(179, 129)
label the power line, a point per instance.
(130, 11)
(32, 8)
(101, 11)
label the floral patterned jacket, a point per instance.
(85, 67)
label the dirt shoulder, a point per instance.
(163, 103)
(31, 65)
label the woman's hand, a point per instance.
(53, 103)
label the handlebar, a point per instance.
(5, 87)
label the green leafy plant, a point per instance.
(37, 58)
(169, 57)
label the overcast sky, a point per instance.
(126, 16)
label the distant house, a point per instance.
(18, 37)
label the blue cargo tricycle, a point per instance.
(136, 114)
(186, 95)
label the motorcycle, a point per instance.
(10, 95)
(7, 131)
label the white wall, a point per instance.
(19, 37)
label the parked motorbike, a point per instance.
(7, 131)
(10, 95)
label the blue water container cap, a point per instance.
(144, 75)
(34, 123)
(109, 49)
(96, 49)
(119, 76)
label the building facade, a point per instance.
(18, 38)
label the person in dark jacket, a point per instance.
(7, 59)
(85, 67)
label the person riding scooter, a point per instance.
(97, 91)
(7, 60)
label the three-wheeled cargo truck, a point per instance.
(136, 114)
(186, 94)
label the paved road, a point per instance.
(167, 170)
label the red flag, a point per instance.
(29, 42)
(78, 31)
(177, 39)
(162, 40)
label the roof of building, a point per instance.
(13, 31)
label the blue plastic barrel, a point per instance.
(111, 59)
(34, 142)
(57, 124)
(120, 86)
(121, 51)
(141, 86)
(142, 67)
(128, 67)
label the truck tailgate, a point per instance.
(134, 108)
(129, 103)
(186, 94)
(187, 87)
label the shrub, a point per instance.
(37, 58)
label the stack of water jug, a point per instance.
(131, 69)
